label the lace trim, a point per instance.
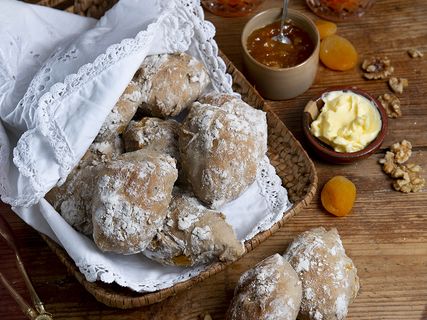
(4, 153)
(48, 103)
(276, 197)
(106, 274)
(207, 47)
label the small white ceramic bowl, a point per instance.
(281, 83)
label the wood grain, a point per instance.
(386, 235)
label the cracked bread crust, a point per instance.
(193, 235)
(130, 201)
(270, 290)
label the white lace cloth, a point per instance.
(57, 87)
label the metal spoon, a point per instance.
(281, 37)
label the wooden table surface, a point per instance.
(386, 235)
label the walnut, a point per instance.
(397, 84)
(377, 68)
(402, 151)
(411, 180)
(391, 104)
(407, 176)
(415, 53)
(389, 165)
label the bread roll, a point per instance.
(153, 134)
(270, 290)
(73, 200)
(193, 234)
(329, 278)
(119, 117)
(130, 200)
(235, 105)
(170, 82)
(220, 150)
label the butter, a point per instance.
(348, 122)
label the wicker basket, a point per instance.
(292, 165)
(93, 8)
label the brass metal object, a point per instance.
(39, 313)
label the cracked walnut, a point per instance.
(398, 84)
(407, 177)
(377, 68)
(391, 104)
(415, 53)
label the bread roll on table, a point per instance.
(270, 290)
(329, 277)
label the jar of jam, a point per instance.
(231, 8)
(339, 10)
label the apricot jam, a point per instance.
(275, 54)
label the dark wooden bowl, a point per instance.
(324, 151)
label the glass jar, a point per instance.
(339, 10)
(231, 8)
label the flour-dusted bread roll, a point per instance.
(153, 134)
(270, 290)
(130, 200)
(170, 82)
(103, 151)
(235, 105)
(192, 234)
(73, 199)
(123, 111)
(329, 278)
(220, 150)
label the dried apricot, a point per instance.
(337, 53)
(325, 28)
(338, 196)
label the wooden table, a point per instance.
(386, 235)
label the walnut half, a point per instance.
(377, 68)
(398, 84)
(391, 104)
(415, 53)
(411, 180)
(402, 151)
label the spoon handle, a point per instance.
(26, 309)
(7, 234)
(284, 15)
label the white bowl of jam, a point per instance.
(280, 71)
